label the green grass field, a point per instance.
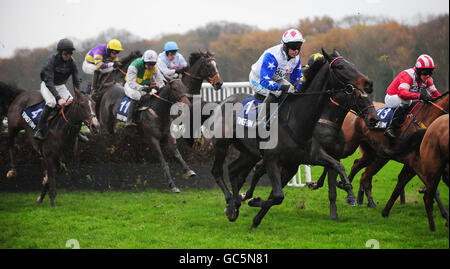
(196, 219)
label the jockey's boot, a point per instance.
(397, 119)
(269, 99)
(95, 91)
(131, 111)
(41, 124)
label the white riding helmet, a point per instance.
(150, 56)
(292, 35)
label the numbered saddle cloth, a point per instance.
(385, 115)
(247, 115)
(32, 114)
(122, 111)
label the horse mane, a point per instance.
(130, 57)
(9, 92)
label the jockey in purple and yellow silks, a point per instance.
(102, 59)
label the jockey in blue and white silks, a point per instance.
(170, 62)
(278, 68)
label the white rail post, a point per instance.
(296, 181)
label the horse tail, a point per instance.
(9, 92)
(409, 144)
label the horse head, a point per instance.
(84, 110)
(349, 83)
(203, 66)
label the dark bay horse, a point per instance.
(155, 123)
(372, 140)
(300, 112)
(429, 150)
(62, 133)
(328, 139)
(202, 66)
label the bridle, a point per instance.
(348, 89)
(211, 79)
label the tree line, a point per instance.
(379, 47)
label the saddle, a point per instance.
(32, 114)
(143, 104)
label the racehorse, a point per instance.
(155, 120)
(202, 66)
(298, 116)
(61, 135)
(428, 156)
(328, 139)
(421, 116)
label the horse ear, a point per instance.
(335, 52)
(327, 56)
(203, 52)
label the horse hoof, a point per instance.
(11, 174)
(312, 186)
(243, 196)
(333, 216)
(39, 200)
(175, 190)
(371, 204)
(385, 214)
(253, 202)
(232, 214)
(189, 174)
(351, 201)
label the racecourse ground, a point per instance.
(195, 219)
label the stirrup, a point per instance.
(39, 135)
(389, 132)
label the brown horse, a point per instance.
(429, 148)
(371, 140)
(62, 133)
(434, 160)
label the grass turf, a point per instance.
(195, 219)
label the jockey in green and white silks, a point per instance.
(170, 62)
(142, 74)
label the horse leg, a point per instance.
(404, 177)
(188, 173)
(12, 133)
(45, 184)
(276, 197)
(359, 164)
(238, 171)
(432, 182)
(260, 170)
(366, 179)
(52, 170)
(332, 175)
(319, 183)
(220, 152)
(441, 206)
(164, 165)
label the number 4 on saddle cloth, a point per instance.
(247, 115)
(32, 114)
(385, 115)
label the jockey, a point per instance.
(54, 75)
(170, 62)
(411, 84)
(277, 69)
(102, 59)
(142, 76)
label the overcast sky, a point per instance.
(39, 23)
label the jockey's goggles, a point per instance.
(426, 71)
(150, 63)
(171, 52)
(67, 52)
(294, 45)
